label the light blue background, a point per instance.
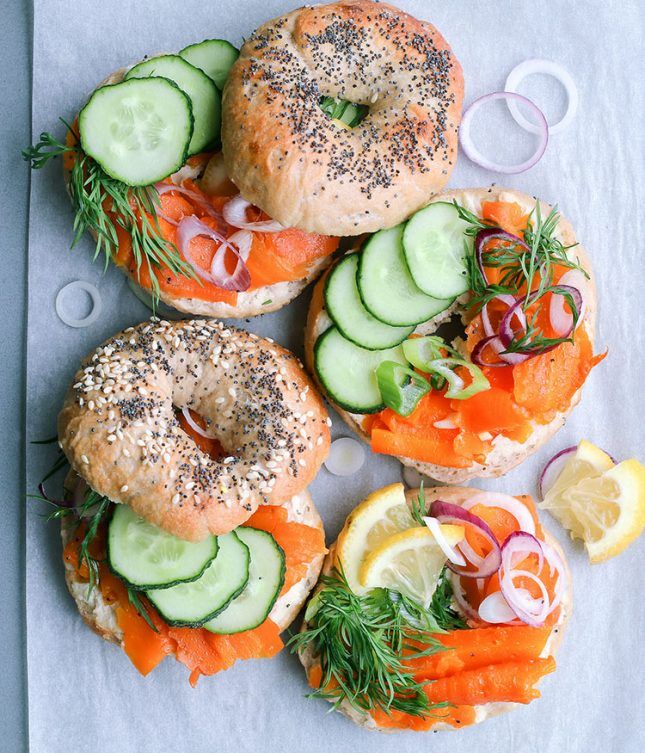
(83, 694)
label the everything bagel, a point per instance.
(526, 403)
(305, 170)
(119, 429)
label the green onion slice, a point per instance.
(420, 351)
(457, 389)
(401, 388)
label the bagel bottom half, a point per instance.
(506, 453)
(101, 617)
(456, 495)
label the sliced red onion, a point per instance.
(234, 212)
(495, 340)
(506, 331)
(446, 512)
(201, 201)
(504, 502)
(475, 155)
(536, 65)
(489, 234)
(192, 227)
(477, 355)
(527, 608)
(64, 502)
(185, 412)
(556, 565)
(554, 468)
(495, 610)
(451, 555)
(460, 599)
(559, 310)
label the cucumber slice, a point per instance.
(348, 372)
(266, 577)
(213, 56)
(202, 92)
(354, 321)
(144, 556)
(436, 249)
(137, 131)
(386, 286)
(194, 603)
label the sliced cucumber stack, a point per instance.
(354, 321)
(213, 56)
(436, 248)
(348, 372)
(145, 556)
(266, 577)
(139, 132)
(194, 602)
(386, 286)
(204, 95)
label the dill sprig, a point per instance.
(362, 641)
(103, 204)
(527, 266)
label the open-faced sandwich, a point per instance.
(477, 401)
(437, 609)
(187, 526)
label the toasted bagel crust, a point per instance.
(249, 303)
(101, 616)
(286, 155)
(506, 454)
(119, 431)
(456, 495)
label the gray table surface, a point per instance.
(15, 86)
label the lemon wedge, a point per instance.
(409, 562)
(606, 508)
(380, 515)
(586, 462)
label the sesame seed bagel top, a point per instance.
(119, 430)
(305, 170)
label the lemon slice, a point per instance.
(380, 515)
(586, 462)
(606, 510)
(409, 562)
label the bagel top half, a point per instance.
(505, 453)
(119, 430)
(307, 171)
(261, 300)
(456, 495)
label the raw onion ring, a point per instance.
(495, 610)
(474, 155)
(504, 502)
(527, 608)
(451, 554)
(489, 234)
(559, 312)
(95, 311)
(446, 512)
(537, 65)
(185, 412)
(554, 468)
(239, 280)
(460, 599)
(163, 188)
(234, 212)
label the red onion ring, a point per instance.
(203, 203)
(557, 565)
(185, 412)
(527, 608)
(460, 599)
(451, 554)
(495, 610)
(489, 234)
(553, 469)
(496, 341)
(477, 355)
(504, 502)
(446, 512)
(234, 212)
(559, 312)
(474, 155)
(191, 227)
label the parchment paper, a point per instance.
(84, 695)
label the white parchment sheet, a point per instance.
(84, 695)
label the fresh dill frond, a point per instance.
(362, 641)
(441, 606)
(133, 597)
(103, 204)
(418, 506)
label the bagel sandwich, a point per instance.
(327, 172)
(458, 439)
(464, 688)
(184, 265)
(187, 525)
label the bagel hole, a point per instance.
(210, 445)
(344, 112)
